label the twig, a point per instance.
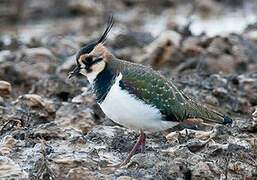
(44, 164)
(254, 147)
(227, 159)
(13, 121)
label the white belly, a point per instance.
(125, 109)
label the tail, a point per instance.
(195, 110)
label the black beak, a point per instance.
(75, 72)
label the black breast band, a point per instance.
(103, 83)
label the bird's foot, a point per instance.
(141, 141)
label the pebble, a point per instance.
(5, 89)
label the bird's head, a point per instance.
(92, 59)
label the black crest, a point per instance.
(87, 49)
(107, 30)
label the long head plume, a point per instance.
(86, 50)
(107, 30)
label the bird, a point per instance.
(136, 96)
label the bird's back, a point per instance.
(154, 89)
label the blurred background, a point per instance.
(208, 48)
(39, 39)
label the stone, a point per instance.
(39, 52)
(220, 92)
(196, 145)
(75, 116)
(253, 126)
(181, 151)
(147, 160)
(80, 173)
(245, 52)
(5, 89)
(211, 100)
(34, 100)
(161, 49)
(218, 46)
(191, 47)
(254, 114)
(1, 101)
(63, 47)
(173, 136)
(56, 87)
(223, 64)
(243, 105)
(207, 7)
(86, 97)
(67, 65)
(241, 168)
(175, 169)
(203, 135)
(36, 63)
(10, 170)
(132, 39)
(49, 131)
(202, 171)
(124, 178)
(252, 35)
(7, 143)
(249, 83)
(83, 7)
(218, 80)
(6, 55)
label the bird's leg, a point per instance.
(140, 141)
(143, 143)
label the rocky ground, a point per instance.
(52, 128)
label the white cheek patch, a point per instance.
(96, 69)
(83, 72)
(91, 76)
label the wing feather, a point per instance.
(153, 89)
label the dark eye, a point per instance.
(91, 60)
(88, 60)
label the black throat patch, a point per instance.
(103, 83)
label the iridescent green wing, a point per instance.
(154, 89)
